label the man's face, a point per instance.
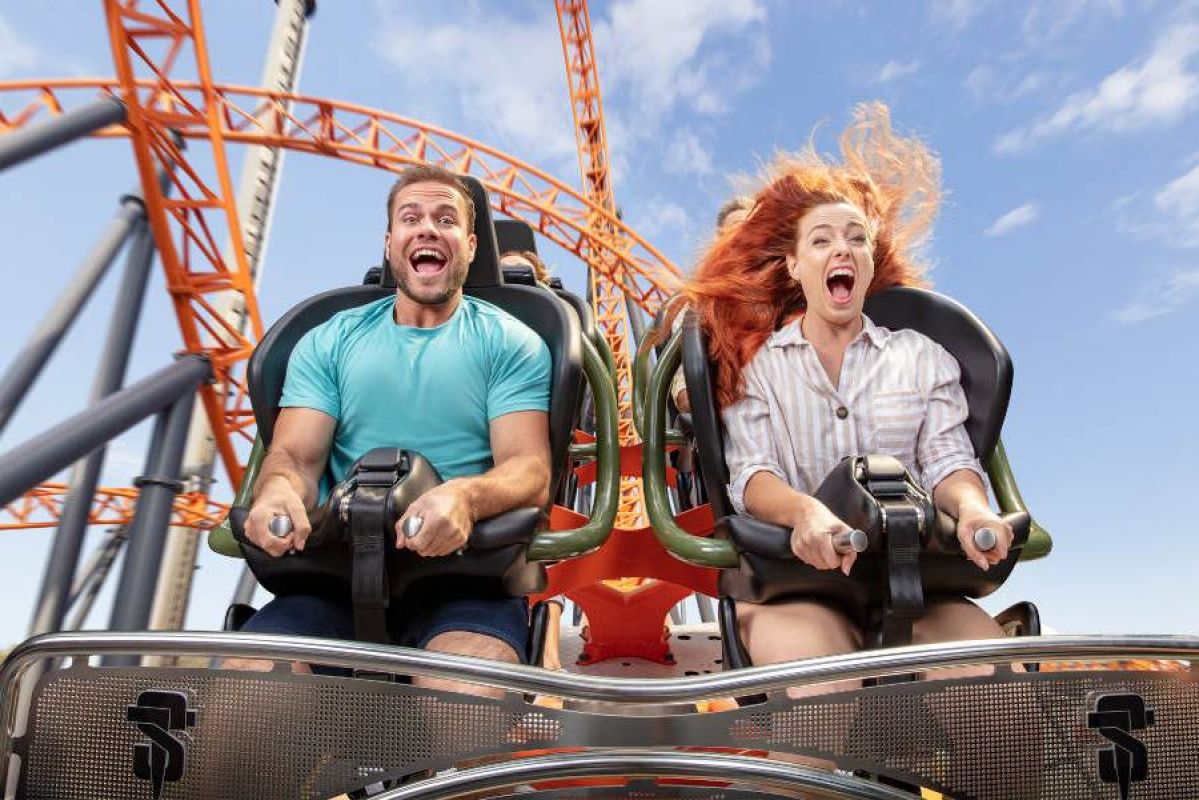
(429, 247)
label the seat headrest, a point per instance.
(521, 275)
(485, 269)
(513, 234)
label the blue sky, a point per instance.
(1067, 131)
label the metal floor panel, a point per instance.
(696, 650)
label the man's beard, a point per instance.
(455, 278)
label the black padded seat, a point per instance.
(513, 234)
(768, 570)
(986, 365)
(496, 548)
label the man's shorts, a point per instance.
(424, 613)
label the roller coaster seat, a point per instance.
(514, 235)
(767, 569)
(501, 562)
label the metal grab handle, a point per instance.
(854, 541)
(280, 526)
(412, 526)
(985, 539)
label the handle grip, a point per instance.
(280, 526)
(850, 542)
(985, 539)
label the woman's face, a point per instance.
(833, 262)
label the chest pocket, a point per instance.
(897, 417)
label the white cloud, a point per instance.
(1169, 215)
(687, 155)
(894, 70)
(661, 217)
(664, 53)
(956, 14)
(1049, 19)
(1178, 200)
(503, 72)
(1016, 218)
(15, 54)
(1162, 297)
(985, 83)
(1156, 90)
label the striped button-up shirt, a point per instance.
(899, 395)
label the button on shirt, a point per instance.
(900, 394)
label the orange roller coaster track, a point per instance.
(41, 507)
(351, 133)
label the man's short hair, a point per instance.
(738, 203)
(431, 173)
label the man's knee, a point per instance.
(467, 643)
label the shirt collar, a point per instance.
(790, 334)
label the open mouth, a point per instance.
(840, 283)
(427, 261)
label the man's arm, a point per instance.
(287, 481)
(520, 477)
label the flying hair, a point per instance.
(742, 290)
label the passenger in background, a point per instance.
(804, 379)
(731, 214)
(529, 260)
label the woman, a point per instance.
(804, 378)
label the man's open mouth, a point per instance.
(427, 261)
(840, 284)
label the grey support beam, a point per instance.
(36, 459)
(148, 532)
(36, 139)
(85, 476)
(27, 365)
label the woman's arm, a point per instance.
(962, 495)
(948, 464)
(812, 525)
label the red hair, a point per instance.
(742, 290)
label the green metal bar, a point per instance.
(695, 549)
(557, 545)
(583, 452)
(640, 381)
(1003, 481)
(605, 351)
(220, 538)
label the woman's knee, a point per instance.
(789, 631)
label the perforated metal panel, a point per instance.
(279, 735)
(1009, 738)
(256, 735)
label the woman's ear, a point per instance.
(792, 264)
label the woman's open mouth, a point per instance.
(840, 283)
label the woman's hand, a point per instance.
(974, 519)
(812, 538)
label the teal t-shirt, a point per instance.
(432, 390)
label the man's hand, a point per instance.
(277, 497)
(812, 538)
(447, 520)
(973, 519)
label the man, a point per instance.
(451, 377)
